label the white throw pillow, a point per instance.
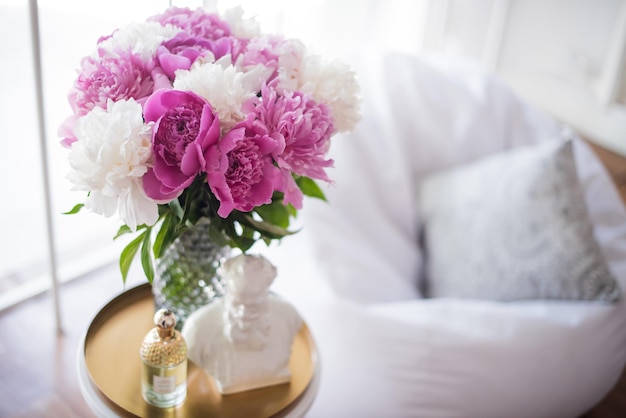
(513, 226)
(606, 208)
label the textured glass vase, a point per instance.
(186, 275)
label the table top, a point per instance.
(109, 369)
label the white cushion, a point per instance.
(513, 225)
(605, 207)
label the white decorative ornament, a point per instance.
(244, 339)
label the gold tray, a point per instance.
(112, 357)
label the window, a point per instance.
(68, 31)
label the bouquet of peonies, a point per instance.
(193, 116)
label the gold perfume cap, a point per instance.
(163, 345)
(165, 320)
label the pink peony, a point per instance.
(262, 50)
(303, 128)
(66, 131)
(115, 76)
(185, 128)
(180, 52)
(197, 22)
(240, 170)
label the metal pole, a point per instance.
(41, 122)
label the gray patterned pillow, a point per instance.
(513, 226)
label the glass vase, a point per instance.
(186, 275)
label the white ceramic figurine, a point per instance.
(244, 339)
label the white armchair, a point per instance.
(385, 349)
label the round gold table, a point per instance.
(109, 371)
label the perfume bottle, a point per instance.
(164, 356)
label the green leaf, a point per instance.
(128, 254)
(124, 229)
(164, 210)
(248, 232)
(235, 239)
(75, 209)
(275, 213)
(292, 210)
(177, 208)
(164, 237)
(242, 242)
(146, 259)
(265, 228)
(217, 235)
(310, 188)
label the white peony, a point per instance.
(291, 53)
(223, 86)
(331, 83)
(109, 158)
(142, 38)
(241, 28)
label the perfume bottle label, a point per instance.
(166, 379)
(163, 385)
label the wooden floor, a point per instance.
(38, 376)
(38, 367)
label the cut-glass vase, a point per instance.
(186, 275)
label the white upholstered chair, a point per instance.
(385, 349)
